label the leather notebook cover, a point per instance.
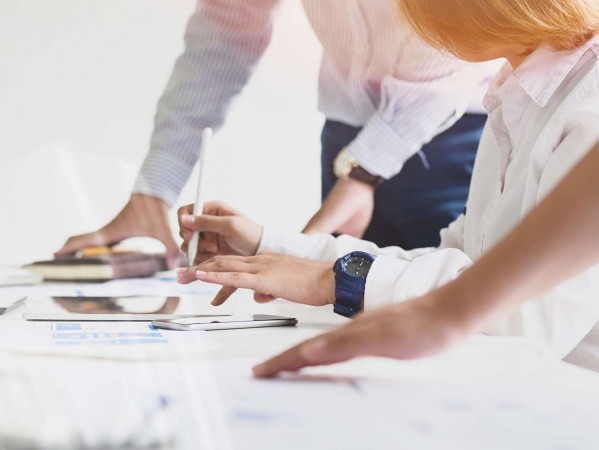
(100, 268)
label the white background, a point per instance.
(79, 82)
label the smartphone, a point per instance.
(225, 323)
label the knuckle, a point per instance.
(210, 260)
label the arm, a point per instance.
(543, 251)
(223, 42)
(427, 93)
(301, 270)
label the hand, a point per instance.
(347, 210)
(269, 275)
(224, 231)
(142, 216)
(414, 329)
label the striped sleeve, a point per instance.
(224, 40)
(428, 93)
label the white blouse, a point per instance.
(543, 119)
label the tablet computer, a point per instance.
(226, 323)
(127, 309)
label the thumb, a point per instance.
(208, 223)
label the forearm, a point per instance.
(555, 242)
(223, 43)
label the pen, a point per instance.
(198, 207)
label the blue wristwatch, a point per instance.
(350, 282)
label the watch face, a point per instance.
(358, 266)
(343, 165)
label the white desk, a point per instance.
(197, 392)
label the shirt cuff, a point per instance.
(380, 150)
(287, 243)
(162, 175)
(380, 282)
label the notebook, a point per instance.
(102, 267)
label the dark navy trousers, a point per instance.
(429, 192)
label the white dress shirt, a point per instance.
(375, 73)
(543, 119)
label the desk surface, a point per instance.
(195, 390)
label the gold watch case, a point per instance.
(344, 164)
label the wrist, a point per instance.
(327, 284)
(356, 187)
(139, 200)
(458, 305)
(347, 167)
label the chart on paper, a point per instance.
(89, 333)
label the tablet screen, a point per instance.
(129, 308)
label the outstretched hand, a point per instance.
(270, 276)
(409, 330)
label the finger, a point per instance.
(340, 345)
(95, 239)
(206, 246)
(216, 224)
(233, 279)
(186, 275)
(184, 211)
(217, 208)
(202, 258)
(210, 237)
(217, 264)
(263, 298)
(223, 295)
(291, 359)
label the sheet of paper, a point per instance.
(323, 410)
(489, 393)
(65, 403)
(126, 341)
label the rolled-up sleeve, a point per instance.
(425, 96)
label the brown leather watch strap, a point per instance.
(358, 173)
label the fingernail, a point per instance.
(200, 273)
(313, 350)
(187, 220)
(258, 370)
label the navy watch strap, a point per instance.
(349, 289)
